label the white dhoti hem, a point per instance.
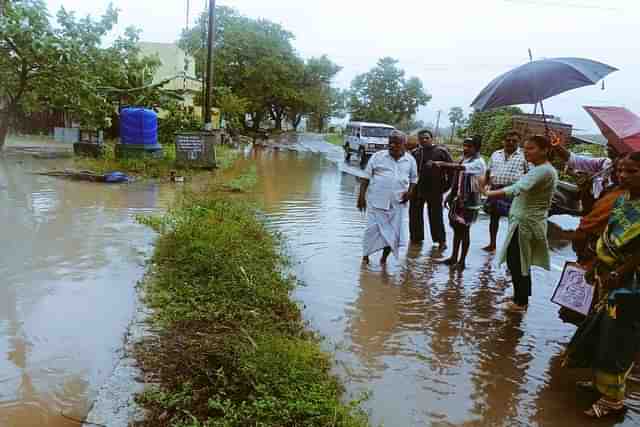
(384, 229)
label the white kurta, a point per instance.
(389, 179)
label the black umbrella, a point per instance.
(536, 81)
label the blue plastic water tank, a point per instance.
(138, 126)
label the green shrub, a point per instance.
(231, 348)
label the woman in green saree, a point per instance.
(608, 340)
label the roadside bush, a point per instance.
(492, 126)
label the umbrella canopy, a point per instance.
(536, 81)
(620, 126)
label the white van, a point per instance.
(365, 139)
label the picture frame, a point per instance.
(573, 291)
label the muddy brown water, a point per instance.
(432, 347)
(70, 257)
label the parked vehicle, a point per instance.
(365, 139)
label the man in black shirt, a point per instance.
(432, 184)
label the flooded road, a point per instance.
(434, 347)
(70, 257)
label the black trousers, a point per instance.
(436, 220)
(521, 284)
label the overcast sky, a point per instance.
(455, 47)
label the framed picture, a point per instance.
(573, 291)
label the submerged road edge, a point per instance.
(115, 404)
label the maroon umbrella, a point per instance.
(620, 126)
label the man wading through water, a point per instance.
(391, 177)
(432, 184)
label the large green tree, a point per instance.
(65, 67)
(254, 59)
(256, 63)
(491, 125)
(383, 94)
(314, 97)
(45, 66)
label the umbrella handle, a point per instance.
(544, 119)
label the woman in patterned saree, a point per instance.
(608, 340)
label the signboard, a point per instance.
(190, 143)
(196, 149)
(573, 291)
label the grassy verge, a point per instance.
(231, 348)
(242, 183)
(149, 168)
(335, 139)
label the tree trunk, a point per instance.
(453, 131)
(278, 121)
(257, 120)
(4, 128)
(296, 121)
(321, 121)
(277, 115)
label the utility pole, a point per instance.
(437, 124)
(208, 73)
(188, 11)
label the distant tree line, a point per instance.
(258, 76)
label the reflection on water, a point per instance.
(434, 346)
(71, 254)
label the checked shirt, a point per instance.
(505, 171)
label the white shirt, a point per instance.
(389, 178)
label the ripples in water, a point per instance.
(69, 271)
(434, 347)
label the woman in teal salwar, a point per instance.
(609, 339)
(526, 244)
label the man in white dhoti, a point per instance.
(391, 177)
